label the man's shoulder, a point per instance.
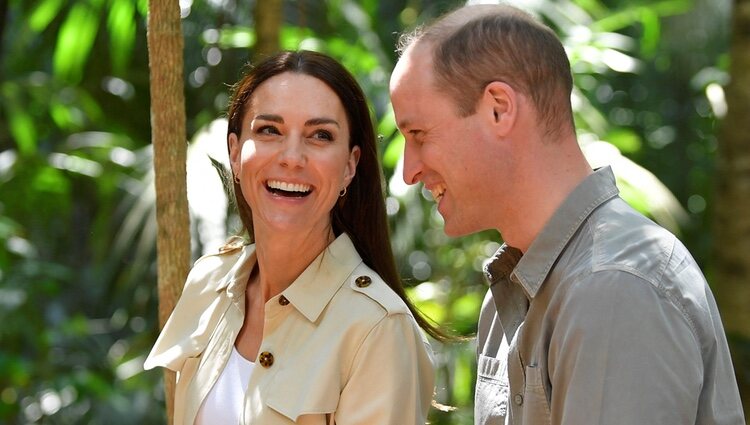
(621, 238)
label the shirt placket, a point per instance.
(512, 306)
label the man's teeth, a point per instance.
(288, 187)
(437, 192)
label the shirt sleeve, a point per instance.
(623, 352)
(392, 377)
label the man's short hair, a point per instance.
(475, 45)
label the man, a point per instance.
(595, 314)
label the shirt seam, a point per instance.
(656, 284)
(362, 343)
(579, 222)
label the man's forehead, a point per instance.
(415, 65)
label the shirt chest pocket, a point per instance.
(491, 404)
(536, 409)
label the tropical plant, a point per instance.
(78, 297)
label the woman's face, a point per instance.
(292, 155)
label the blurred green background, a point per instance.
(78, 300)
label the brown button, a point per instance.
(266, 359)
(363, 281)
(283, 300)
(518, 399)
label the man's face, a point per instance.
(443, 150)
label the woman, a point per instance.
(307, 322)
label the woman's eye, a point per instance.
(268, 129)
(323, 135)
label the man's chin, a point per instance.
(456, 230)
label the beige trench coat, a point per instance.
(338, 345)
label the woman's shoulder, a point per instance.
(215, 268)
(367, 291)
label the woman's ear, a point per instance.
(235, 148)
(500, 105)
(351, 165)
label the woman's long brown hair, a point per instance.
(361, 211)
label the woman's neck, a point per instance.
(282, 257)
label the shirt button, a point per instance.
(363, 281)
(266, 359)
(518, 399)
(283, 300)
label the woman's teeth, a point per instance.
(288, 189)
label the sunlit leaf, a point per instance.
(51, 181)
(44, 13)
(22, 128)
(236, 37)
(635, 197)
(632, 14)
(593, 7)
(651, 32)
(626, 140)
(121, 25)
(291, 37)
(393, 151)
(387, 124)
(463, 376)
(142, 7)
(74, 42)
(61, 115)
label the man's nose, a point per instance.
(412, 164)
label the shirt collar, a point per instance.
(311, 292)
(531, 269)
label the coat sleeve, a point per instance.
(392, 376)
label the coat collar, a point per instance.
(311, 292)
(313, 289)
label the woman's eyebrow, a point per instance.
(269, 117)
(320, 121)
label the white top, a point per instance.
(224, 403)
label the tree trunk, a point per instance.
(267, 17)
(165, 45)
(732, 203)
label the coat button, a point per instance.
(518, 399)
(266, 359)
(283, 300)
(363, 281)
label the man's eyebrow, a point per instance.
(321, 121)
(403, 124)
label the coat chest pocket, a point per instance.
(491, 403)
(304, 398)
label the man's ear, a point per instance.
(500, 105)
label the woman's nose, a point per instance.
(293, 152)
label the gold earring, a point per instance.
(342, 193)
(236, 179)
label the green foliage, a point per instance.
(77, 272)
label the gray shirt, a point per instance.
(606, 319)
